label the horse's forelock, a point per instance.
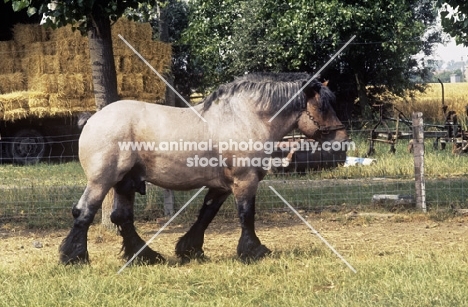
(327, 98)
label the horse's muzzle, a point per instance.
(341, 136)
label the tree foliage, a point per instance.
(454, 14)
(230, 38)
(80, 14)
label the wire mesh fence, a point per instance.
(42, 195)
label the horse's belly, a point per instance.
(183, 175)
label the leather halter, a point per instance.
(324, 129)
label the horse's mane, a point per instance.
(271, 91)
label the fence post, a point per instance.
(418, 154)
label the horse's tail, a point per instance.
(83, 119)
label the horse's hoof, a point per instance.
(82, 258)
(149, 257)
(255, 254)
(187, 256)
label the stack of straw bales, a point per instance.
(135, 79)
(47, 73)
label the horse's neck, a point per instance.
(281, 126)
(249, 122)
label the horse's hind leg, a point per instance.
(190, 245)
(74, 247)
(122, 216)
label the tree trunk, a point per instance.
(102, 62)
(169, 96)
(164, 37)
(163, 24)
(104, 82)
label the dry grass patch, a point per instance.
(398, 263)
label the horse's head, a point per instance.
(318, 120)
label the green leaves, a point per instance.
(230, 38)
(19, 5)
(454, 18)
(31, 11)
(73, 12)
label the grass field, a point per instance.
(401, 260)
(430, 102)
(402, 257)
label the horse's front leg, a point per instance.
(190, 245)
(74, 247)
(249, 247)
(122, 216)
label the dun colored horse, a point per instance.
(237, 112)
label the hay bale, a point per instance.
(58, 73)
(157, 54)
(12, 82)
(10, 65)
(160, 65)
(132, 64)
(33, 65)
(8, 49)
(35, 49)
(46, 83)
(41, 64)
(159, 49)
(38, 100)
(73, 47)
(84, 105)
(27, 33)
(65, 33)
(130, 84)
(51, 64)
(59, 105)
(131, 30)
(49, 48)
(121, 49)
(66, 49)
(127, 65)
(123, 27)
(14, 105)
(39, 104)
(78, 64)
(153, 84)
(9, 54)
(74, 85)
(79, 105)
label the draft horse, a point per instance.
(236, 112)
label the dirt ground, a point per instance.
(353, 234)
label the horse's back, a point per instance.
(114, 140)
(120, 116)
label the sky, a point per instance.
(451, 52)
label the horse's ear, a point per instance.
(325, 83)
(312, 90)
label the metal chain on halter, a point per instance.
(312, 119)
(326, 129)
